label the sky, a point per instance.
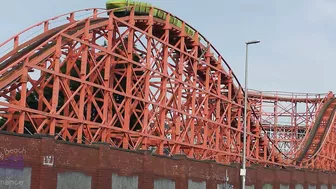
(297, 52)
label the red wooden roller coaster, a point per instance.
(143, 79)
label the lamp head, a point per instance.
(252, 42)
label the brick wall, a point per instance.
(99, 161)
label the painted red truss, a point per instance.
(300, 125)
(140, 83)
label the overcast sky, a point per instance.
(297, 52)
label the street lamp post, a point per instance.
(243, 170)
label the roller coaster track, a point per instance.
(319, 131)
(140, 83)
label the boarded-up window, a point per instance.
(73, 180)
(124, 182)
(19, 178)
(164, 184)
(224, 186)
(196, 185)
(284, 186)
(267, 186)
(298, 186)
(311, 186)
(323, 186)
